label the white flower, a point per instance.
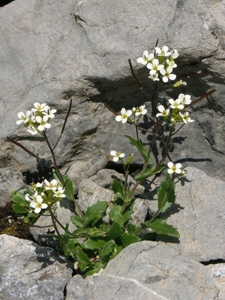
(52, 185)
(31, 129)
(154, 66)
(37, 203)
(38, 107)
(167, 74)
(184, 99)
(145, 58)
(176, 104)
(154, 77)
(171, 63)
(174, 168)
(117, 155)
(163, 112)
(174, 54)
(162, 52)
(141, 110)
(185, 117)
(49, 112)
(125, 114)
(24, 118)
(28, 197)
(60, 193)
(43, 123)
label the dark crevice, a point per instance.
(213, 262)
(5, 2)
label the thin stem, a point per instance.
(21, 146)
(80, 213)
(53, 222)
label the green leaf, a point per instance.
(95, 212)
(115, 231)
(107, 249)
(149, 172)
(129, 238)
(19, 209)
(115, 214)
(77, 221)
(141, 147)
(118, 187)
(132, 228)
(161, 227)
(166, 194)
(19, 198)
(82, 258)
(95, 268)
(93, 243)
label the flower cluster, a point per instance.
(45, 194)
(175, 112)
(117, 155)
(137, 112)
(160, 62)
(37, 119)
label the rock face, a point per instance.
(57, 51)
(28, 270)
(53, 52)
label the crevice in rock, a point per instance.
(5, 2)
(213, 262)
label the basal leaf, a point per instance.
(161, 227)
(95, 212)
(19, 198)
(129, 238)
(77, 221)
(149, 172)
(115, 230)
(107, 248)
(82, 258)
(19, 209)
(93, 243)
(115, 214)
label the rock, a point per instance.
(90, 193)
(28, 270)
(83, 55)
(199, 216)
(146, 270)
(11, 180)
(218, 273)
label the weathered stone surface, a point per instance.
(199, 216)
(78, 50)
(30, 271)
(218, 273)
(11, 180)
(146, 270)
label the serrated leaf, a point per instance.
(107, 249)
(166, 194)
(95, 212)
(149, 172)
(141, 147)
(161, 227)
(129, 238)
(115, 230)
(93, 243)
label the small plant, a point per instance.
(96, 241)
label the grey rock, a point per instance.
(218, 273)
(199, 216)
(146, 270)
(90, 193)
(11, 180)
(28, 270)
(71, 50)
